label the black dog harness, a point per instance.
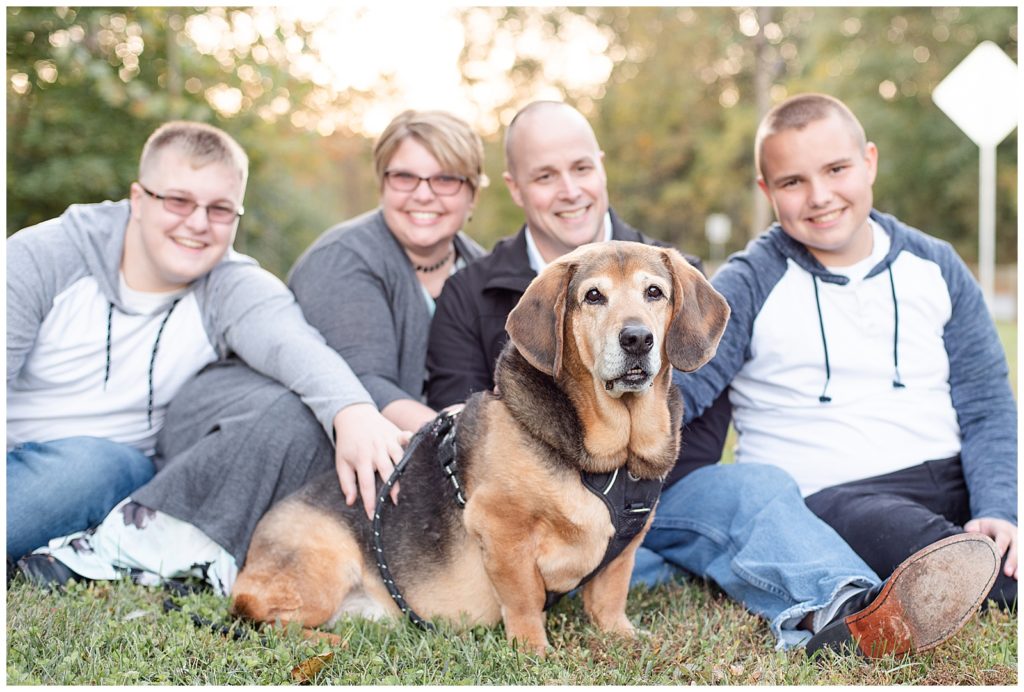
(629, 501)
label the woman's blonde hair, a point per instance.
(449, 139)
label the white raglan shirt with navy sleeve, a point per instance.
(870, 427)
(927, 328)
(66, 298)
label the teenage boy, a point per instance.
(860, 356)
(743, 526)
(112, 307)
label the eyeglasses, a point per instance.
(183, 206)
(441, 184)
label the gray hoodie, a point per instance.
(85, 359)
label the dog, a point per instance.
(583, 408)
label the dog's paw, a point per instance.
(539, 650)
(619, 626)
(531, 643)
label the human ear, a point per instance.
(513, 188)
(871, 160)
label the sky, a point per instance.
(421, 53)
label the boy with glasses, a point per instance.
(113, 306)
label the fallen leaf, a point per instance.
(307, 670)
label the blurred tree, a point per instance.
(672, 123)
(678, 116)
(86, 86)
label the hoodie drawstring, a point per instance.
(824, 344)
(897, 382)
(152, 357)
(110, 319)
(152, 361)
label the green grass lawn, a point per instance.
(118, 634)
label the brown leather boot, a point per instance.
(925, 601)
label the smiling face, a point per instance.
(818, 180)
(556, 175)
(164, 251)
(422, 220)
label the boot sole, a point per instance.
(930, 596)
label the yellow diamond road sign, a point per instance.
(980, 95)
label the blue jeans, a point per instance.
(746, 527)
(56, 488)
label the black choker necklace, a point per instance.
(437, 265)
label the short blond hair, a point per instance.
(200, 143)
(798, 112)
(449, 139)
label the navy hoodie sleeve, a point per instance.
(980, 389)
(745, 281)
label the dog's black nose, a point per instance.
(636, 340)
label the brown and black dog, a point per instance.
(584, 390)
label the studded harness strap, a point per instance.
(443, 428)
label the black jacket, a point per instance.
(468, 332)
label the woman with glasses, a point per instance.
(369, 284)
(234, 442)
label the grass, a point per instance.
(117, 634)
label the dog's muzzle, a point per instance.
(636, 342)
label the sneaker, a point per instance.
(928, 598)
(46, 571)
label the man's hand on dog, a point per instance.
(366, 443)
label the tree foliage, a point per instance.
(677, 121)
(675, 116)
(86, 87)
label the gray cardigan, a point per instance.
(356, 285)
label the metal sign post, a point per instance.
(980, 96)
(718, 230)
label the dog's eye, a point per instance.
(593, 297)
(654, 293)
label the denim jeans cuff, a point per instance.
(784, 625)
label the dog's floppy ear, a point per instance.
(699, 315)
(536, 323)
